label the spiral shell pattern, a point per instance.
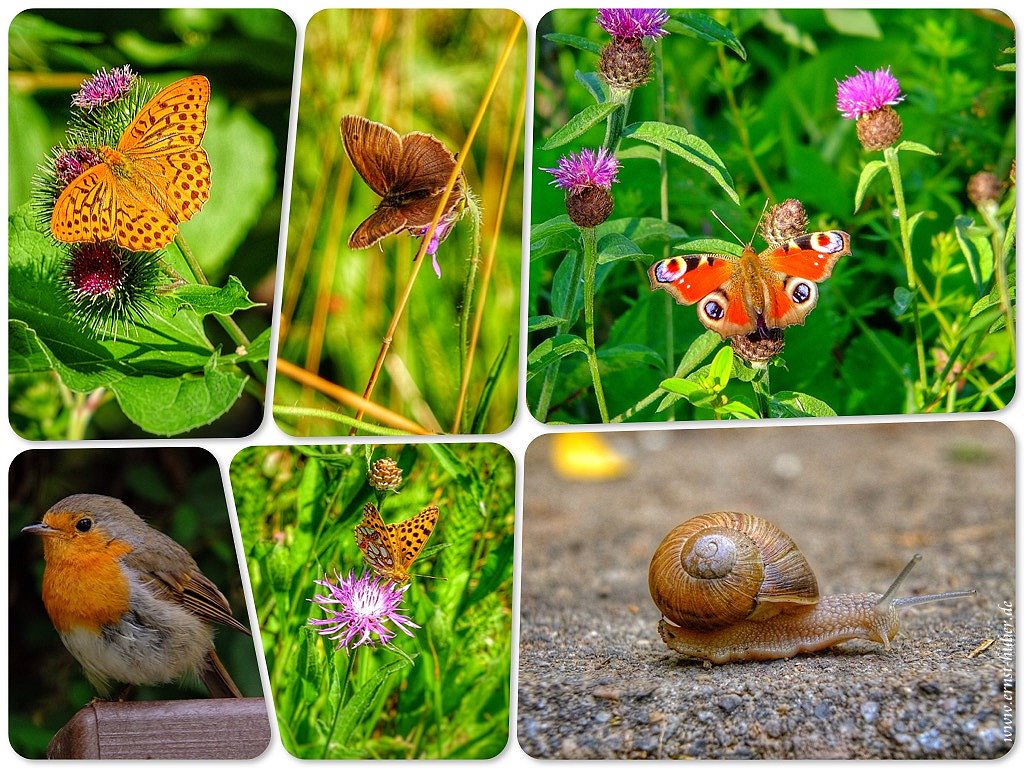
(723, 567)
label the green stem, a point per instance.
(762, 390)
(320, 413)
(233, 329)
(589, 280)
(1000, 251)
(741, 125)
(469, 285)
(551, 374)
(892, 163)
(341, 703)
(659, 79)
(617, 119)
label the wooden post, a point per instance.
(195, 729)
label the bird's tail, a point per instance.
(217, 680)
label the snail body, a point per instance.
(735, 587)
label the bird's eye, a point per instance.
(84, 525)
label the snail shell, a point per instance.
(724, 567)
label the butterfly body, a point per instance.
(754, 292)
(156, 177)
(409, 172)
(390, 549)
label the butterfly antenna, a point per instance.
(738, 240)
(764, 212)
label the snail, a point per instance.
(734, 587)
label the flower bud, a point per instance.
(385, 475)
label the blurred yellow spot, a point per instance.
(586, 456)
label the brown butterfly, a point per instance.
(390, 549)
(409, 172)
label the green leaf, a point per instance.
(552, 350)
(613, 247)
(356, 708)
(627, 357)
(913, 146)
(976, 248)
(25, 352)
(541, 322)
(170, 406)
(703, 27)
(683, 387)
(855, 22)
(483, 404)
(701, 347)
(797, 404)
(710, 245)
(574, 41)
(867, 175)
(594, 84)
(208, 299)
(721, 369)
(580, 123)
(692, 149)
(738, 410)
(639, 152)
(257, 351)
(902, 299)
(788, 31)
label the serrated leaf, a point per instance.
(574, 41)
(580, 123)
(867, 175)
(703, 27)
(209, 299)
(170, 406)
(682, 143)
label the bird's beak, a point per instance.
(39, 529)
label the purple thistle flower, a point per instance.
(867, 92)
(577, 172)
(359, 609)
(95, 269)
(71, 164)
(104, 87)
(633, 22)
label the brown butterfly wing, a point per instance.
(425, 166)
(376, 152)
(386, 220)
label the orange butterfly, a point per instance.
(156, 177)
(391, 549)
(757, 291)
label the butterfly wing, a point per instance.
(410, 536)
(688, 279)
(799, 265)
(85, 209)
(425, 167)
(374, 540)
(375, 151)
(386, 220)
(173, 121)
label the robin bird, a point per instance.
(129, 602)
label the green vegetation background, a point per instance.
(855, 352)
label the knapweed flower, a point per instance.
(783, 222)
(983, 188)
(587, 178)
(363, 610)
(633, 22)
(385, 475)
(869, 98)
(104, 88)
(109, 287)
(757, 348)
(626, 62)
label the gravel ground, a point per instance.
(596, 681)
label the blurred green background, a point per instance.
(248, 56)
(178, 491)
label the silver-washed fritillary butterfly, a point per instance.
(156, 177)
(391, 549)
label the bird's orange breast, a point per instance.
(83, 585)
